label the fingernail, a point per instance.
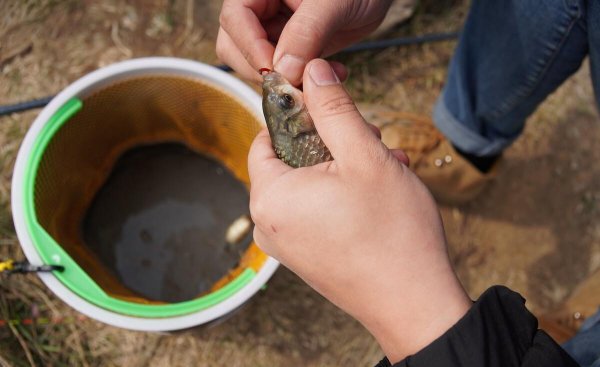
(290, 66)
(322, 74)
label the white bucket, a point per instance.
(82, 87)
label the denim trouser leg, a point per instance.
(511, 55)
(593, 28)
(585, 346)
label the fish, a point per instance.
(293, 134)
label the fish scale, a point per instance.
(303, 151)
(293, 135)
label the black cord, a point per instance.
(224, 67)
(403, 41)
(21, 267)
(364, 46)
(24, 106)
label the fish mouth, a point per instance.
(271, 80)
(272, 76)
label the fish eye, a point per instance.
(286, 101)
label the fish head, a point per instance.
(283, 106)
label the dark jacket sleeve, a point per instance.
(498, 331)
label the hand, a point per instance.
(302, 30)
(362, 229)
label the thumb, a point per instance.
(336, 117)
(305, 35)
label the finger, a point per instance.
(292, 4)
(341, 40)
(375, 130)
(274, 26)
(340, 70)
(241, 21)
(305, 36)
(335, 115)
(230, 55)
(400, 156)
(263, 164)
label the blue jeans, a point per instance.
(511, 55)
(585, 346)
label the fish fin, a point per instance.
(301, 123)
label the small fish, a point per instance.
(295, 139)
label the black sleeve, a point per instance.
(498, 331)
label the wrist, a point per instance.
(414, 314)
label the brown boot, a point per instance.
(450, 177)
(564, 322)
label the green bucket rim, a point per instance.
(73, 276)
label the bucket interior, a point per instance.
(114, 120)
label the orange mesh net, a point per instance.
(117, 118)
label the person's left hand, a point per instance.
(362, 229)
(285, 34)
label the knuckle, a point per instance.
(339, 105)
(356, 10)
(264, 243)
(377, 156)
(256, 234)
(371, 163)
(306, 29)
(258, 209)
(248, 55)
(227, 16)
(221, 49)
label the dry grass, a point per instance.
(535, 229)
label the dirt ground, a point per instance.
(536, 229)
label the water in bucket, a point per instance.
(159, 222)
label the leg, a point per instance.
(511, 55)
(566, 322)
(593, 24)
(585, 346)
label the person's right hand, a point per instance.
(362, 229)
(302, 30)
